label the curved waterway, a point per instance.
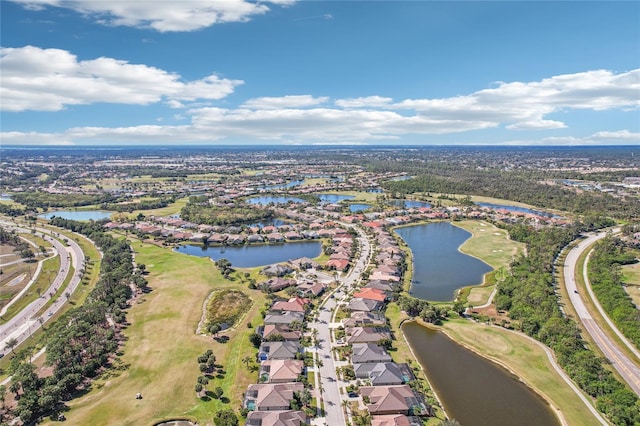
(474, 390)
(439, 267)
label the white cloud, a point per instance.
(526, 104)
(294, 101)
(365, 102)
(620, 135)
(37, 78)
(537, 125)
(163, 15)
(49, 79)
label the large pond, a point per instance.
(439, 267)
(515, 209)
(78, 215)
(251, 256)
(267, 199)
(334, 198)
(355, 208)
(474, 390)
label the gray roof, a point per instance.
(368, 352)
(278, 350)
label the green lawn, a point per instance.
(161, 349)
(631, 274)
(489, 243)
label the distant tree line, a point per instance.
(157, 203)
(39, 199)
(512, 185)
(605, 275)
(83, 340)
(529, 296)
(11, 210)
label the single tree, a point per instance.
(11, 344)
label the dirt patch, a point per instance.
(492, 314)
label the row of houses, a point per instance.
(272, 401)
(387, 395)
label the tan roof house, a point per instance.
(271, 396)
(281, 370)
(276, 418)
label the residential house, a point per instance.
(371, 294)
(295, 304)
(277, 270)
(368, 352)
(395, 420)
(364, 305)
(277, 284)
(396, 399)
(367, 334)
(271, 396)
(283, 318)
(281, 370)
(279, 418)
(278, 350)
(363, 319)
(311, 289)
(278, 331)
(384, 373)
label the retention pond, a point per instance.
(474, 390)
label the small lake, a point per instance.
(252, 256)
(267, 199)
(474, 390)
(287, 185)
(439, 267)
(334, 198)
(268, 222)
(515, 209)
(77, 215)
(5, 197)
(409, 204)
(354, 208)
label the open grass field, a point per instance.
(631, 274)
(161, 349)
(527, 360)
(489, 243)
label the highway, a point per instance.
(27, 321)
(627, 367)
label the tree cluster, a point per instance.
(605, 276)
(199, 211)
(421, 308)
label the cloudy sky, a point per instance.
(94, 72)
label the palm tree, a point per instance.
(11, 344)
(247, 360)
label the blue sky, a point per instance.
(92, 72)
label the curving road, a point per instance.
(627, 367)
(25, 322)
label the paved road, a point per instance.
(334, 413)
(27, 321)
(625, 366)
